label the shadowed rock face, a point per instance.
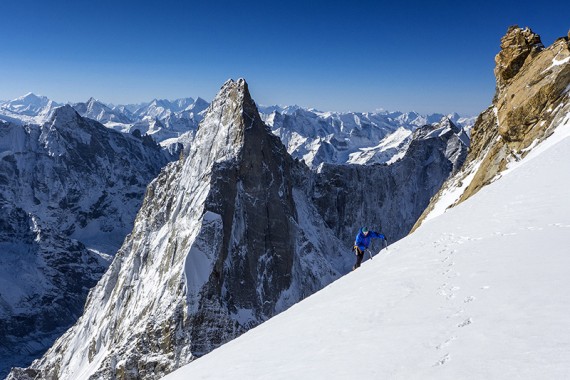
(254, 197)
(57, 273)
(390, 198)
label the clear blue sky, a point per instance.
(432, 56)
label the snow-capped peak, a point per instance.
(197, 106)
(29, 105)
(64, 115)
(30, 97)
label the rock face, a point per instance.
(45, 278)
(390, 198)
(69, 193)
(231, 234)
(516, 46)
(531, 100)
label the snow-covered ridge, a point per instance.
(479, 292)
(29, 109)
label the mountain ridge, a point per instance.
(231, 234)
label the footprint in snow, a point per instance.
(446, 343)
(505, 233)
(442, 361)
(466, 322)
(560, 225)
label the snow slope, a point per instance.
(478, 292)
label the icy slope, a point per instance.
(478, 292)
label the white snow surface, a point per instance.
(389, 150)
(480, 292)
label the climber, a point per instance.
(362, 242)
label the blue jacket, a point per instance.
(362, 242)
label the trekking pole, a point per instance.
(370, 253)
(386, 244)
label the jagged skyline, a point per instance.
(329, 56)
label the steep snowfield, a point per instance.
(478, 292)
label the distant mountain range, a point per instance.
(310, 135)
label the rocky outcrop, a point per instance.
(517, 46)
(531, 99)
(69, 193)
